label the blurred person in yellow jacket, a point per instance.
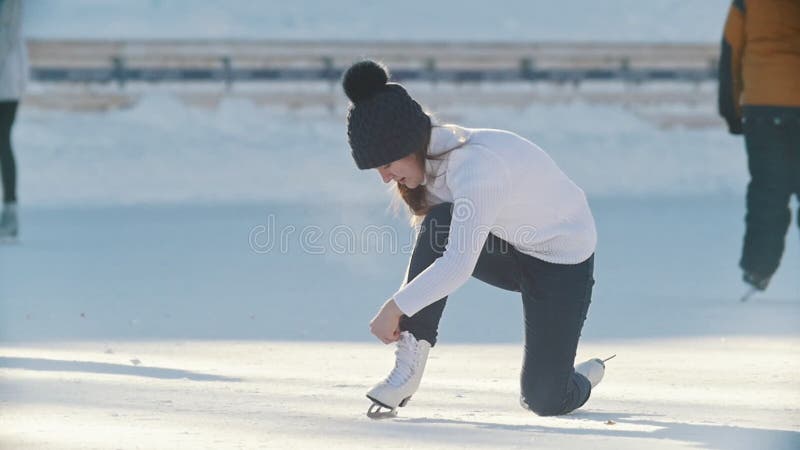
(759, 96)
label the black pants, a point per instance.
(8, 167)
(772, 137)
(555, 299)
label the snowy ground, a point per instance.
(738, 393)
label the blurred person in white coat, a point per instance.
(13, 75)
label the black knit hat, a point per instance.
(384, 123)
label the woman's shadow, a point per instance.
(703, 435)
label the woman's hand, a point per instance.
(386, 324)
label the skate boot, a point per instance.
(756, 282)
(9, 227)
(593, 369)
(395, 391)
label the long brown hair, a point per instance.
(416, 200)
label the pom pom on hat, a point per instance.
(363, 79)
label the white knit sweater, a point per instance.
(501, 183)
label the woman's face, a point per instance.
(406, 171)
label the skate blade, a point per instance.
(377, 412)
(748, 294)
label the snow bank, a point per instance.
(161, 151)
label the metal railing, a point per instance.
(229, 62)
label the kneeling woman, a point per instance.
(488, 204)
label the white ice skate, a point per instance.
(395, 391)
(593, 369)
(9, 227)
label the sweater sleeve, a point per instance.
(731, 83)
(479, 182)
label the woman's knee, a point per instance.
(543, 401)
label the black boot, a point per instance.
(756, 280)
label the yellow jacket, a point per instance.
(760, 57)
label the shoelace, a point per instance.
(405, 361)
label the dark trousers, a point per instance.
(772, 138)
(8, 167)
(555, 299)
